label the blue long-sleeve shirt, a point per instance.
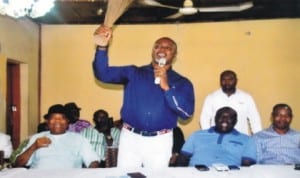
(145, 105)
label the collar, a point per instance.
(233, 132)
(271, 129)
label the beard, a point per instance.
(282, 125)
(228, 89)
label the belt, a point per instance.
(145, 133)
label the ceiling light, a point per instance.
(30, 8)
(99, 11)
(188, 10)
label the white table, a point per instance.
(256, 171)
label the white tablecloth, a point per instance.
(256, 171)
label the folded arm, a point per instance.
(23, 158)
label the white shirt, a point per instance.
(5, 145)
(240, 101)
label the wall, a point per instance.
(264, 54)
(19, 42)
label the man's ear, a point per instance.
(234, 122)
(271, 118)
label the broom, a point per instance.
(115, 8)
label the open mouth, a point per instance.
(57, 126)
(224, 124)
(161, 55)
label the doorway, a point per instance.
(13, 100)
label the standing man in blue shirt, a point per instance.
(150, 111)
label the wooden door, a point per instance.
(13, 112)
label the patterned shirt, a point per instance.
(98, 141)
(79, 125)
(273, 148)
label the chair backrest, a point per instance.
(111, 156)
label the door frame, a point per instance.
(13, 102)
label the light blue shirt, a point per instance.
(273, 148)
(68, 150)
(209, 147)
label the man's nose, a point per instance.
(226, 119)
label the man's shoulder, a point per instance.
(76, 137)
(215, 93)
(88, 129)
(219, 93)
(43, 133)
(203, 132)
(115, 130)
(82, 121)
(4, 136)
(178, 77)
(240, 138)
(269, 133)
(40, 134)
(293, 133)
(296, 132)
(264, 134)
(241, 135)
(241, 92)
(73, 134)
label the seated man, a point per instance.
(43, 126)
(76, 124)
(102, 136)
(278, 144)
(57, 148)
(219, 144)
(5, 145)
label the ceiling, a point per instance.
(87, 12)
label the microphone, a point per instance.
(161, 63)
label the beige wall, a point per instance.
(263, 53)
(19, 42)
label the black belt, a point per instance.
(146, 133)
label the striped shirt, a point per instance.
(273, 148)
(98, 141)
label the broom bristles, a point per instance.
(115, 8)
